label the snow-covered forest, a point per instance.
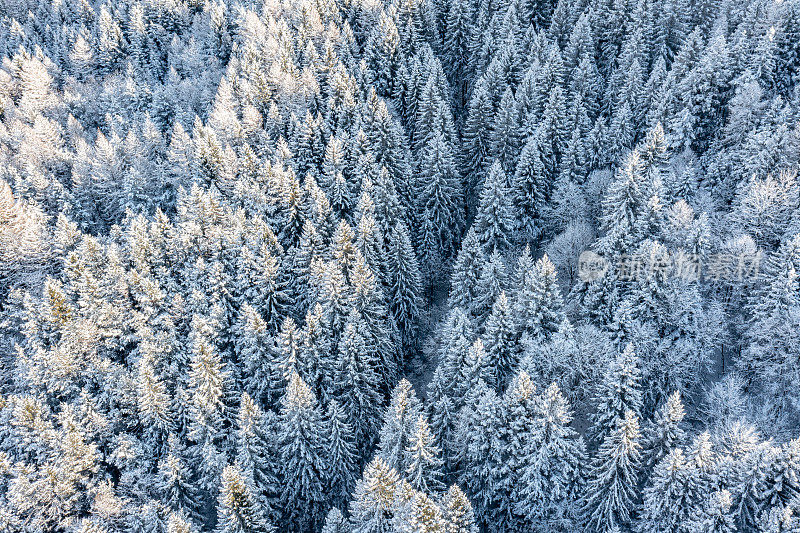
(399, 266)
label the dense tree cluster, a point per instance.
(312, 265)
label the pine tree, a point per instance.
(507, 134)
(174, 484)
(778, 520)
(302, 443)
(255, 444)
(209, 411)
(456, 41)
(773, 309)
(618, 392)
(612, 479)
(490, 285)
(494, 222)
(238, 510)
(422, 459)
(341, 454)
(481, 453)
(372, 506)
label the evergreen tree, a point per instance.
(538, 306)
(458, 512)
(552, 476)
(341, 454)
(617, 393)
(399, 425)
(303, 438)
(335, 522)
(477, 140)
(612, 479)
(238, 510)
(404, 284)
(466, 271)
(494, 220)
(422, 457)
(665, 433)
(356, 383)
(439, 208)
(372, 506)
(666, 498)
(501, 342)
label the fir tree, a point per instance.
(372, 506)
(618, 392)
(612, 479)
(238, 510)
(303, 438)
(424, 465)
(493, 222)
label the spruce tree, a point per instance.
(303, 438)
(617, 393)
(238, 510)
(398, 425)
(372, 505)
(613, 477)
(494, 223)
(341, 454)
(501, 342)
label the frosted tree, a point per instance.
(440, 208)
(255, 447)
(494, 223)
(302, 434)
(372, 505)
(492, 282)
(356, 383)
(666, 498)
(477, 139)
(538, 306)
(617, 393)
(613, 477)
(405, 284)
(238, 509)
(715, 516)
(552, 475)
(501, 342)
(458, 512)
(466, 271)
(665, 432)
(209, 411)
(341, 453)
(335, 522)
(399, 421)
(773, 309)
(422, 459)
